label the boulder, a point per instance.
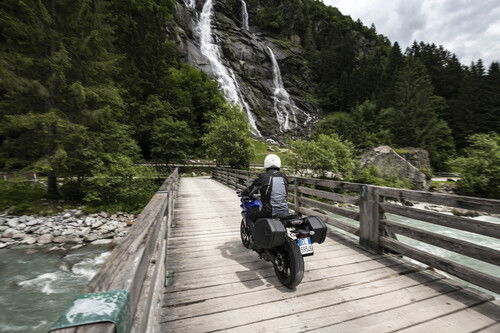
(418, 157)
(45, 239)
(392, 164)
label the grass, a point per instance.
(262, 149)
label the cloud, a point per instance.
(470, 29)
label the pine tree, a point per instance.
(414, 119)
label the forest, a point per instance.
(89, 89)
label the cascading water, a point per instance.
(244, 14)
(283, 105)
(224, 75)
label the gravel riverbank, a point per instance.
(69, 230)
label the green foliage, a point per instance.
(228, 139)
(18, 194)
(119, 186)
(171, 139)
(360, 126)
(373, 176)
(480, 167)
(326, 154)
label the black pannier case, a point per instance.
(268, 233)
(318, 226)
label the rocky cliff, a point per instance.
(267, 77)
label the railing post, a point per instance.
(369, 218)
(296, 194)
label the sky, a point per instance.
(468, 28)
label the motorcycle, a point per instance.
(283, 240)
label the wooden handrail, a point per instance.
(377, 233)
(138, 265)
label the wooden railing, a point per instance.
(137, 266)
(365, 207)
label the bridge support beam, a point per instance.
(369, 219)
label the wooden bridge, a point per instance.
(184, 269)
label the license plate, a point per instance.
(306, 248)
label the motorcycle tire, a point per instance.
(245, 236)
(289, 264)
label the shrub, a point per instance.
(326, 154)
(373, 176)
(480, 167)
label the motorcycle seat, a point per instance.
(288, 217)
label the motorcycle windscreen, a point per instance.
(279, 204)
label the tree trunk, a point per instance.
(52, 185)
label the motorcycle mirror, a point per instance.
(238, 193)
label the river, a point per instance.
(459, 234)
(35, 288)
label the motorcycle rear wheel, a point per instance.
(289, 264)
(245, 236)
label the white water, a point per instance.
(224, 75)
(35, 288)
(283, 105)
(244, 14)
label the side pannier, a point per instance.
(268, 233)
(317, 225)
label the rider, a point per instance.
(273, 188)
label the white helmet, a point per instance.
(272, 161)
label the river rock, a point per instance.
(464, 212)
(29, 240)
(2, 245)
(76, 247)
(21, 226)
(392, 164)
(67, 215)
(85, 231)
(57, 250)
(103, 215)
(89, 220)
(3, 228)
(96, 224)
(91, 237)
(9, 233)
(45, 239)
(32, 222)
(19, 235)
(13, 222)
(102, 242)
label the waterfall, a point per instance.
(283, 105)
(224, 75)
(244, 14)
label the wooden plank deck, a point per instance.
(218, 285)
